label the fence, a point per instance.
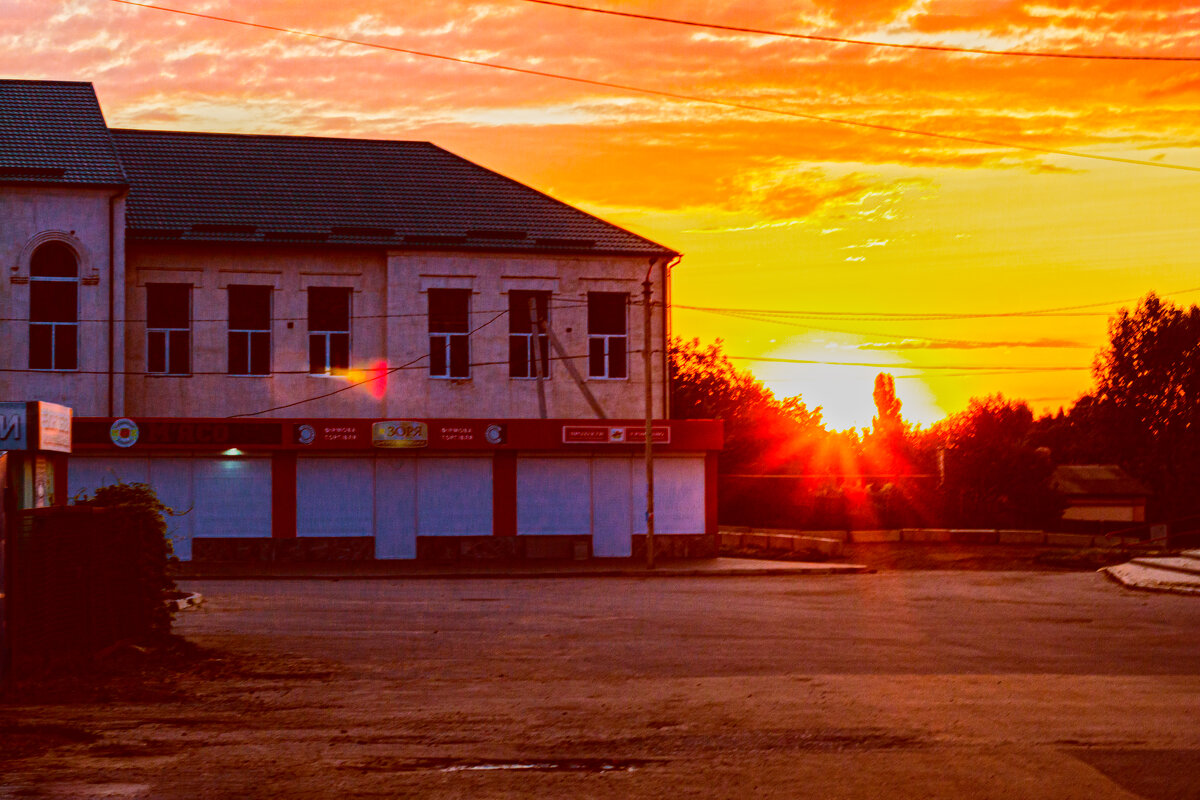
(77, 584)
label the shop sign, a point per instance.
(400, 433)
(12, 426)
(124, 433)
(35, 426)
(619, 434)
(54, 427)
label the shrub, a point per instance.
(140, 515)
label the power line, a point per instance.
(999, 370)
(877, 316)
(870, 43)
(794, 323)
(674, 95)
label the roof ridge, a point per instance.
(287, 136)
(46, 82)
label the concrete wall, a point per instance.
(389, 325)
(79, 217)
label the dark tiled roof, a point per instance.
(1096, 480)
(52, 132)
(252, 188)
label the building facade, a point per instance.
(334, 347)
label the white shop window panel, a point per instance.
(678, 495)
(554, 496)
(612, 507)
(86, 474)
(171, 479)
(395, 508)
(232, 497)
(335, 497)
(454, 496)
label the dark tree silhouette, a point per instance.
(762, 432)
(995, 474)
(1145, 411)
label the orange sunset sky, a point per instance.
(892, 249)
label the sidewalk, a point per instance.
(1179, 574)
(607, 568)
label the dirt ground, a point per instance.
(907, 684)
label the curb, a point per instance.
(1150, 578)
(754, 572)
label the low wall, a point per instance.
(832, 543)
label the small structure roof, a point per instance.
(403, 194)
(1096, 480)
(53, 132)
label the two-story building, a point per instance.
(337, 348)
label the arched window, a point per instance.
(53, 307)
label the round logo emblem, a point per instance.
(305, 434)
(494, 434)
(124, 433)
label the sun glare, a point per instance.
(844, 393)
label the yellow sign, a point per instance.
(400, 433)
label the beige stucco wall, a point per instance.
(1106, 513)
(389, 324)
(80, 217)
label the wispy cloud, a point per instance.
(972, 344)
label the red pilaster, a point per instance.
(504, 494)
(283, 496)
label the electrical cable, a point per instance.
(674, 95)
(866, 42)
(1000, 370)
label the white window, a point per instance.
(169, 328)
(53, 307)
(249, 330)
(523, 319)
(328, 330)
(449, 333)
(607, 335)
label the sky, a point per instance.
(805, 240)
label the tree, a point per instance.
(886, 446)
(995, 474)
(1145, 411)
(761, 431)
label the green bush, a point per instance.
(141, 515)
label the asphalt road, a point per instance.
(897, 685)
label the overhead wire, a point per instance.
(673, 95)
(866, 42)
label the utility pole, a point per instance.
(535, 348)
(647, 361)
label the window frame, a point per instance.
(606, 340)
(444, 340)
(55, 326)
(524, 340)
(169, 335)
(249, 333)
(330, 371)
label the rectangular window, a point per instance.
(607, 334)
(169, 328)
(523, 330)
(328, 330)
(249, 330)
(53, 323)
(449, 333)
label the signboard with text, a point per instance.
(35, 425)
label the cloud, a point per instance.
(972, 344)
